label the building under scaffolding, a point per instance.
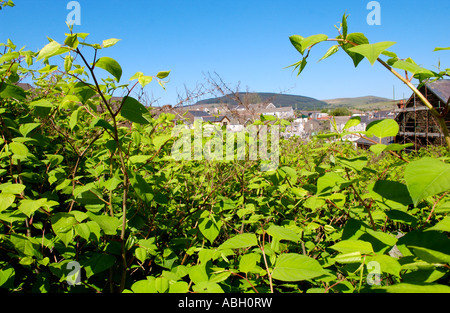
(417, 123)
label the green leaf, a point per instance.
(134, 111)
(427, 177)
(6, 199)
(141, 254)
(378, 148)
(68, 61)
(352, 122)
(63, 222)
(15, 189)
(7, 275)
(179, 287)
(443, 225)
(344, 26)
(83, 230)
(296, 41)
(383, 128)
(356, 163)
(28, 207)
(349, 246)
(358, 39)
(110, 42)
(248, 262)
(330, 52)
(141, 187)
(25, 129)
(207, 287)
(163, 74)
(301, 44)
(97, 263)
(73, 119)
(387, 263)
(209, 228)
(296, 267)
(51, 49)
(398, 147)
(12, 91)
(440, 49)
(429, 255)
(240, 241)
(107, 223)
(411, 67)
(111, 66)
(144, 286)
(390, 194)
(415, 288)
(372, 51)
(27, 246)
(102, 123)
(19, 149)
(283, 233)
(72, 41)
(348, 258)
(328, 182)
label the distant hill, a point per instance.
(279, 100)
(357, 102)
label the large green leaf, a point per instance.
(248, 262)
(427, 177)
(141, 187)
(296, 267)
(353, 121)
(372, 51)
(6, 199)
(96, 263)
(328, 182)
(208, 227)
(240, 241)
(301, 44)
(28, 207)
(390, 194)
(283, 233)
(356, 163)
(443, 225)
(110, 65)
(383, 128)
(7, 275)
(429, 255)
(411, 67)
(12, 91)
(108, 224)
(354, 39)
(349, 246)
(134, 111)
(51, 49)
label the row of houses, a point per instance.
(417, 124)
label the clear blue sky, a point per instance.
(243, 41)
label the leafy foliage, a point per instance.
(91, 180)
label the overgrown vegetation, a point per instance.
(92, 201)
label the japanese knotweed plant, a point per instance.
(92, 201)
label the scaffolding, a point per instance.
(417, 124)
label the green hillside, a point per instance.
(279, 100)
